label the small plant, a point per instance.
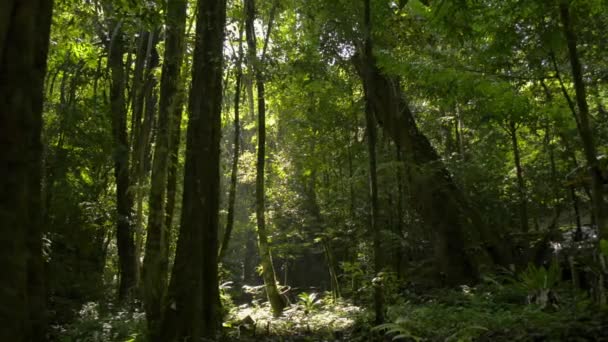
(309, 301)
(396, 331)
(540, 284)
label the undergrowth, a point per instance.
(100, 324)
(533, 307)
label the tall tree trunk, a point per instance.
(156, 257)
(144, 108)
(192, 310)
(276, 301)
(375, 210)
(521, 185)
(235, 157)
(400, 211)
(124, 198)
(24, 40)
(597, 182)
(465, 245)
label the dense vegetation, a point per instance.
(303, 170)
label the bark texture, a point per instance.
(24, 40)
(236, 151)
(124, 198)
(192, 310)
(156, 257)
(374, 212)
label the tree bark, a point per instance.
(268, 274)
(156, 257)
(192, 310)
(143, 112)
(236, 151)
(375, 210)
(584, 127)
(24, 41)
(124, 198)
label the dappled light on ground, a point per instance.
(321, 321)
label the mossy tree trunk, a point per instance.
(24, 41)
(156, 256)
(268, 274)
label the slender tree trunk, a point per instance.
(156, 257)
(124, 198)
(400, 210)
(465, 245)
(173, 167)
(193, 304)
(24, 40)
(597, 182)
(236, 152)
(521, 185)
(375, 212)
(276, 301)
(144, 108)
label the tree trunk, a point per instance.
(192, 310)
(144, 108)
(24, 40)
(374, 213)
(124, 198)
(156, 257)
(268, 274)
(465, 245)
(521, 185)
(236, 151)
(584, 127)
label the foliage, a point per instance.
(97, 324)
(492, 312)
(540, 283)
(308, 301)
(328, 320)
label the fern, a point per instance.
(399, 332)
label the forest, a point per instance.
(303, 170)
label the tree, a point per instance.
(24, 41)
(124, 198)
(156, 261)
(236, 150)
(583, 125)
(460, 232)
(375, 210)
(276, 301)
(192, 309)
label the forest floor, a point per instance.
(535, 306)
(307, 320)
